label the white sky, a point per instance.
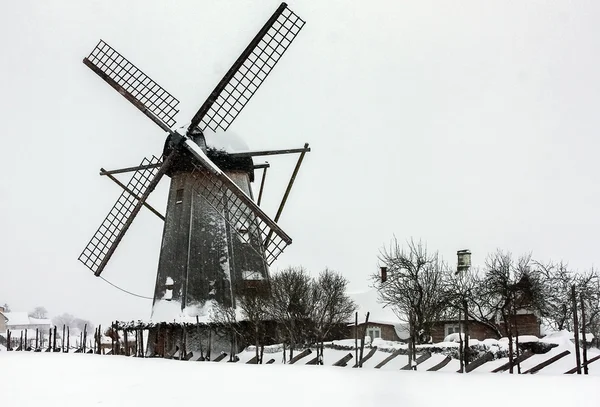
(468, 124)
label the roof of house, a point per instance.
(367, 301)
(21, 318)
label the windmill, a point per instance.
(216, 240)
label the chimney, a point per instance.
(383, 274)
(1, 309)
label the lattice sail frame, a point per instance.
(135, 82)
(99, 245)
(231, 98)
(235, 213)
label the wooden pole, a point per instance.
(112, 337)
(142, 341)
(583, 334)
(54, 340)
(36, 337)
(466, 347)
(460, 344)
(576, 328)
(84, 336)
(26, 347)
(63, 339)
(21, 341)
(516, 339)
(68, 338)
(362, 340)
(356, 335)
(126, 342)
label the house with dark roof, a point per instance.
(383, 323)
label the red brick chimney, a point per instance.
(383, 274)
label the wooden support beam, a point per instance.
(419, 360)
(299, 356)
(219, 358)
(542, 365)
(262, 186)
(313, 361)
(252, 361)
(440, 365)
(367, 357)
(585, 365)
(119, 183)
(480, 361)
(128, 169)
(303, 150)
(343, 361)
(386, 360)
(524, 356)
(270, 362)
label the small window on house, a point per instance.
(179, 196)
(452, 329)
(374, 332)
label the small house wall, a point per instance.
(388, 332)
(2, 322)
(527, 324)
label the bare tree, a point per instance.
(414, 288)
(558, 279)
(331, 306)
(6, 307)
(254, 306)
(291, 302)
(39, 312)
(588, 291)
(226, 316)
(516, 285)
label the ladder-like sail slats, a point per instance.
(249, 71)
(132, 83)
(248, 222)
(103, 242)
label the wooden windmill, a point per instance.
(216, 240)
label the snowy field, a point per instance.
(85, 379)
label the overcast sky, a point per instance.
(467, 124)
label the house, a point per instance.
(3, 320)
(17, 321)
(526, 322)
(383, 323)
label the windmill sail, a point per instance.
(104, 242)
(249, 71)
(137, 87)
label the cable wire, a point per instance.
(125, 291)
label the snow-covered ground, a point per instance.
(84, 379)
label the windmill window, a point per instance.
(179, 196)
(243, 232)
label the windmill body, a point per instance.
(202, 260)
(217, 242)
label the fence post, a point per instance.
(576, 328)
